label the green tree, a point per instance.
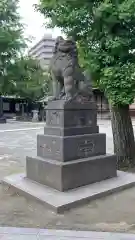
(11, 41)
(105, 32)
(28, 78)
(11, 38)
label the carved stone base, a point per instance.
(70, 175)
(71, 155)
(72, 152)
(71, 147)
(71, 114)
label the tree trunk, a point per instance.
(123, 136)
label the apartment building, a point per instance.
(42, 51)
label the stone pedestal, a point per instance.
(72, 152)
(71, 166)
(70, 175)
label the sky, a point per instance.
(34, 22)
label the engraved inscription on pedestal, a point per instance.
(71, 148)
(85, 148)
(53, 117)
(46, 149)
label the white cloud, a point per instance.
(34, 21)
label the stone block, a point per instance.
(60, 131)
(71, 114)
(71, 105)
(71, 147)
(70, 175)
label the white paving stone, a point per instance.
(45, 234)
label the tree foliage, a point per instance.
(30, 81)
(105, 33)
(11, 39)
(105, 30)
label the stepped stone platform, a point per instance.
(71, 166)
(71, 157)
(58, 201)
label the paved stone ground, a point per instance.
(17, 140)
(45, 234)
(115, 213)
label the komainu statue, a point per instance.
(65, 70)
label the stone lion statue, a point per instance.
(66, 72)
